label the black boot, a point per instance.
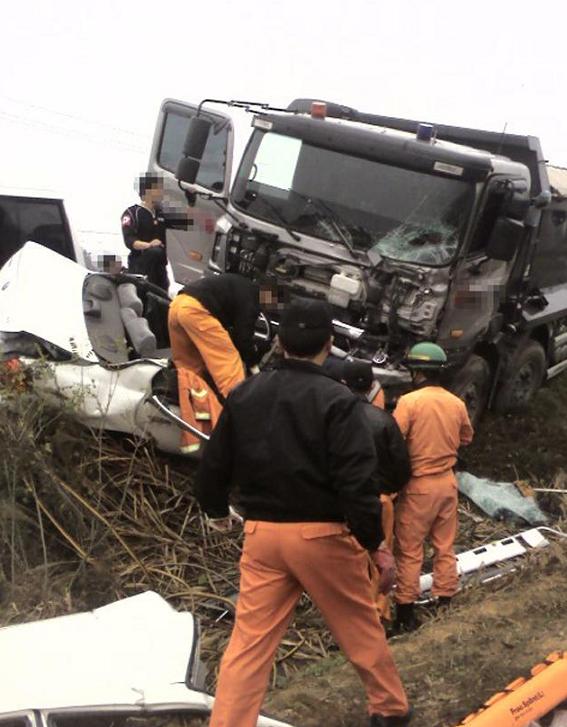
(406, 620)
(378, 721)
(443, 602)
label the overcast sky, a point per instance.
(82, 81)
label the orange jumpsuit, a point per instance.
(383, 599)
(280, 561)
(199, 407)
(200, 343)
(435, 424)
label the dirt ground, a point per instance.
(494, 633)
(450, 666)
(455, 661)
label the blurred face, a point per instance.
(154, 195)
(271, 299)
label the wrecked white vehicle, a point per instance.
(133, 663)
(97, 341)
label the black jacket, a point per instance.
(393, 469)
(232, 300)
(296, 446)
(139, 223)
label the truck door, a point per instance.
(189, 250)
(479, 282)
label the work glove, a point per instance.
(384, 562)
(224, 524)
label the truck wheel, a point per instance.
(524, 376)
(472, 384)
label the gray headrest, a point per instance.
(128, 297)
(101, 290)
(139, 333)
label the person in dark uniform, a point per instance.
(144, 226)
(393, 466)
(393, 469)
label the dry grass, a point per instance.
(86, 519)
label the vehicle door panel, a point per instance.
(189, 250)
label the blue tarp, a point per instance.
(500, 500)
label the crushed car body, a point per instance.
(97, 342)
(136, 659)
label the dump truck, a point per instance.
(411, 231)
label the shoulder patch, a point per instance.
(126, 219)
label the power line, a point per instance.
(73, 116)
(66, 131)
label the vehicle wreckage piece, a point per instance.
(136, 659)
(487, 560)
(525, 701)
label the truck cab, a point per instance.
(410, 231)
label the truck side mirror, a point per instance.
(517, 207)
(505, 238)
(193, 149)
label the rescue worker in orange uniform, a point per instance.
(393, 468)
(294, 442)
(435, 424)
(211, 329)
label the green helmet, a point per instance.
(426, 355)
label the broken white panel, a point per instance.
(485, 556)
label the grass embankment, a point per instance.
(87, 519)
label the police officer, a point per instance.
(143, 229)
(295, 444)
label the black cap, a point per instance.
(305, 327)
(358, 375)
(307, 315)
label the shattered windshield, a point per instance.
(365, 205)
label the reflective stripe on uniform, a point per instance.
(190, 448)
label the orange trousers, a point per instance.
(426, 508)
(382, 600)
(199, 407)
(199, 343)
(280, 561)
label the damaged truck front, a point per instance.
(411, 232)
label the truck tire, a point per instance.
(523, 377)
(472, 385)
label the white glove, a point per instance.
(225, 524)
